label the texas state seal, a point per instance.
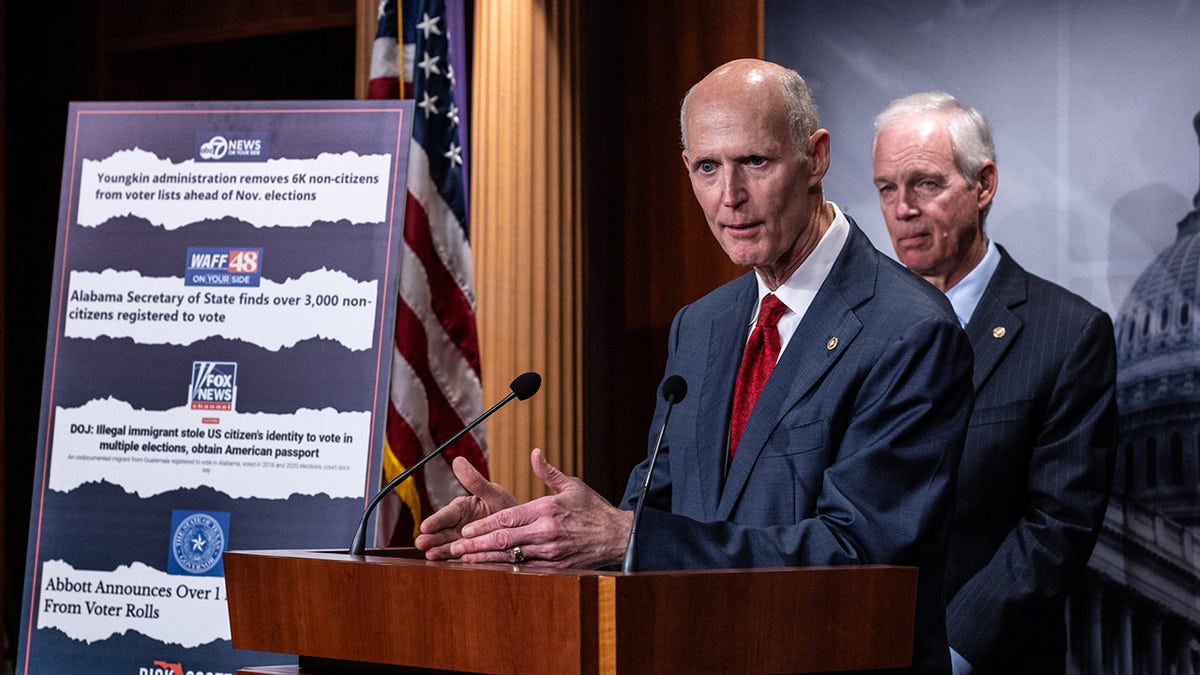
(198, 543)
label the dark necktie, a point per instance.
(762, 351)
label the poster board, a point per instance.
(217, 364)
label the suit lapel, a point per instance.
(810, 353)
(726, 342)
(994, 326)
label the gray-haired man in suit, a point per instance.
(1037, 466)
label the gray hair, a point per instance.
(797, 99)
(970, 133)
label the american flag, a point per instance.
(435, 385)
(391, 57)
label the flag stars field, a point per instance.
(429, 24)
(429, 64)
(428, 104)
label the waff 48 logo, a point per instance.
(214, 385)
(223, 266)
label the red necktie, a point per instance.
(762, 351)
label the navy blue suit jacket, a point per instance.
(1035, 473)
(850, 454)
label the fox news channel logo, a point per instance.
(214, 385)
(222, 266)
(232, 147)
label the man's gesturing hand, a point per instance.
(439, 530)
(574, 527)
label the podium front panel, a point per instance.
(792, 620)
(391, 607)
(396, 610)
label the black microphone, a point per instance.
(673, 391)
(524, 386)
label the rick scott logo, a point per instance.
(214, 385)
(231, 146)
(164, 667)
(197, 542)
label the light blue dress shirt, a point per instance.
(964, 296)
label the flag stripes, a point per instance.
(436, 385)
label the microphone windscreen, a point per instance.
(674, 388)
(526, 385)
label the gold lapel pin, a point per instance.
(998, 332)
(831, 345)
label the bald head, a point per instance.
(764, 83)
(755, 158)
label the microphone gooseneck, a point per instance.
(524, 386)
(674, 389)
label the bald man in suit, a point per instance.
(1037, 466)
(846, 456)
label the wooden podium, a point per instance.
(390, 611)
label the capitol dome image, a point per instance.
(1138, 609)
(1158, 379)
